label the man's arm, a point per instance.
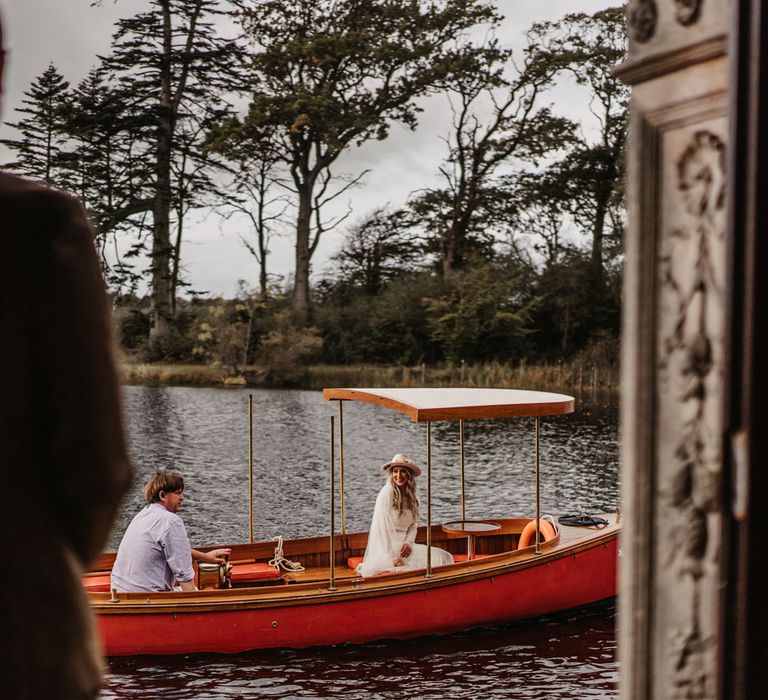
(178, 553)
(215, 556)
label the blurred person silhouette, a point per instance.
(63, 461)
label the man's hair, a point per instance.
(162, 480)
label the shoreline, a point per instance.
(573, 376)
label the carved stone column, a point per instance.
(673, 349)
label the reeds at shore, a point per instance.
(574, 376)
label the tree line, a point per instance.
(515, 253)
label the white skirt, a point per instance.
(418, 558)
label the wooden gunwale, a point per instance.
(496, 403)
(316, 592)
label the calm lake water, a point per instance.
(203, 433)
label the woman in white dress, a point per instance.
(391, 539)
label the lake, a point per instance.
(203, 432)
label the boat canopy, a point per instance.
(424, 405)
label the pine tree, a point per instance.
(107, 158)
(109, 151)
(41, 146)
(175, 67)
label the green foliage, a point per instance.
(377, 250)
(288, 349)
(174, 346)
(572, 311)
(225, 332)
(390, 327)
(485, 313)
(133, 327)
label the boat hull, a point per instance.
(435, 606)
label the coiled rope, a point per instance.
(583, 521)
(279, 561)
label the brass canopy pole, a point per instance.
(429, 501)
(461, 449)
(341, 464)
(538, 493)
(331, 583)
(250, 466)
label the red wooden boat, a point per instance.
(505, 568)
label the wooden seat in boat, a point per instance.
(246, 573)
(97, 584)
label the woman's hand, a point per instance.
(405, 550)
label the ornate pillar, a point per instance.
(673, 349)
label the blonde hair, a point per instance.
(407, 498)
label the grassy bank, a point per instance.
(575, 376)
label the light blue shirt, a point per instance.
(154, 553)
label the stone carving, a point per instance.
(701, 178)
(688, 11)
(692, 280)
(641, 20)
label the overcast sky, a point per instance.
(71, 33)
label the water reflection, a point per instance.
(203, 432)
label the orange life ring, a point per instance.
(528, 535)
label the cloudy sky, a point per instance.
(71, 33)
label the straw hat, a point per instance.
(400, 460)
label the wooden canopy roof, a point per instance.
(459, 404)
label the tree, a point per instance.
(378, 249)
(538, 210)
(592, 173)
(106, 156)
(194, 171)
(390, 327)
(256, 192)
(41, 147)
(329, 74)
(565, 313)
(460, 215)
(484, 312)
(176, 67)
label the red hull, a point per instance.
(505, 595)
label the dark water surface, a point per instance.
(203, 433)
